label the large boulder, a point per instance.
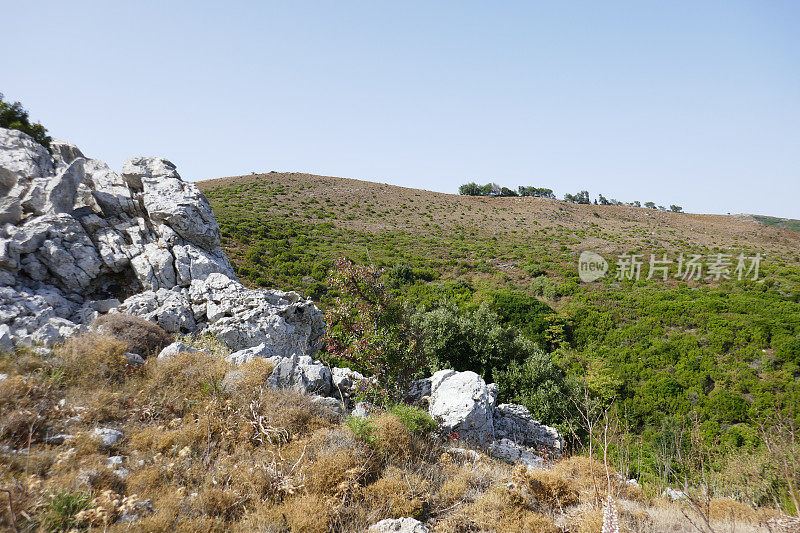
(242, 318)
(171, 201)
(176, 348)
(302, 374)
(515, 423)
(465, 407)
(73, 233)
(280, 323)
(463, 404)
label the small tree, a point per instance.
(539, 192)
(650, 205)
(676, 208)
(15, 117)
(581, 198)
(470, 189)
(371, 330)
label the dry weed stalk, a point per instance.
(264, 432)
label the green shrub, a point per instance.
(15, 117)
(525, 313)
(541, 386)
(473, 340)
(415, 419)
(362, 428)
(372, 331)
(64, 508)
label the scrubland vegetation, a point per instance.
(695, 377)
(202, 452)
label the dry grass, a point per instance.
(139, 335)
(94, 359)
(396, 494)
(589, 478)
(499, 509)
(547, 488)
(257, 459)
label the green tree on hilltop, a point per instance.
(15, 117)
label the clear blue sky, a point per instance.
(695, 103)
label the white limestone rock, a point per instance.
(463, 404)
(6, 345)
(54, 331)
(170, 200)
(514, 422)
(332, 404)
(242, 318)
(175, 348)
(248, 354)
(64, 153)
(73, 232)
(511, 452)
(107, 436)
(302, 374)
(193, 263)
(22, 160)
(399, 525)
(154, 267)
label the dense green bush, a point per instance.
(525, 313)
(14, 116)
(471, 340)
(371, 331)
(541, 386)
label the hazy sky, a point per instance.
(695, 103)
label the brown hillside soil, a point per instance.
(607, 229)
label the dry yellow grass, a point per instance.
(588, 475)
(139, 336)
(547, 488)
(93, 359)
(256, 459)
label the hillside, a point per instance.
(706, 361)
(454, 233)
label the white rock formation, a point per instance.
(465, 407)
(461, 401)
(76, 239)
(175, 348)
(514, 422)
(107, 436)
(399, 525)
(302, 374)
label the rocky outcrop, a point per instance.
(463, 404)
(76, 239)
(465, 407)
(399, 525)
(301, 374)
